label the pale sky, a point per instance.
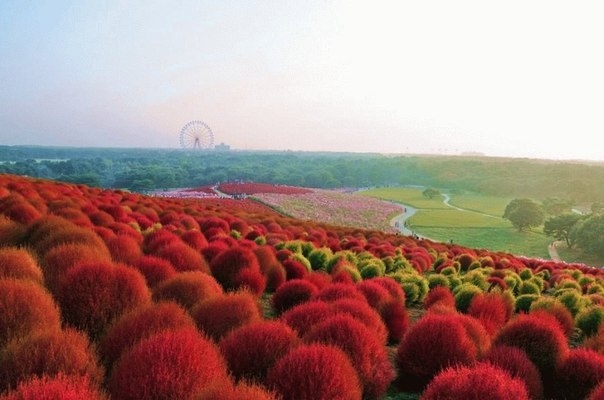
(505, 78)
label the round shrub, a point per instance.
(464, 295)
(590, 319)
(155, 241)
(188, 288)
(154, 269)
(183, 257)
(579, 373)
(173, 364)
(396, 318)
(140, 323)
(124, 248)
(480, 381)
(19, 263)
(524, 301)
(303, 316)
(61, 258)
(392, 286)
(572, 299)
(375, 294)
(435, 280)
(315, 372)
(368, 354)
(337, 291)
(490, 309)
(554, 307)
(49, 353)
(441, 296)
(541, 338)
(194, 239)
(241, 390)
(64, 387)
(252, 349)
(292, 293)
(218, 315)
(25, 307)
(92, 295)
(362, 312)
(415, 286)
(433, 343)
(518, 365)
(237, 268)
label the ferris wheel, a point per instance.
(196, 135)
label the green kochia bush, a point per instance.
(416, 287)
(464, 295)
(319, 258)
(590, 319)
(524, 301)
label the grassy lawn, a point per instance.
(576, 255)
(480, 227)
(485, 204)
(410, 196)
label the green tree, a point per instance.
(588, 234)
(524, 213)
(556, 206)
(560, 226)
(430, 193)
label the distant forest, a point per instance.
(150, 169)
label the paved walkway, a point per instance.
(553, 251)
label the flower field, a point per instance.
(106, 294)
(335, 208)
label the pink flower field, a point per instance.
(335, 208)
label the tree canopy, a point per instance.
(524, 213)
(560, 226)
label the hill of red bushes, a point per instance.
(108, 294)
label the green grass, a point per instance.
(485, 204)
(478, 226)
(410, 196)
(576, 255)
(454, 218)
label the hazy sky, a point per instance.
(506, 78)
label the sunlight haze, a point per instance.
(513, 78)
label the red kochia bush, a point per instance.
(154, 269)
(173, 364)
(432, 344)
(239, 391)
(25, 307)
(19, 263)
(337, 291)
(303, 316)
(195, 239)
(541, 338)
(49, 353)
(140, 323)
(17, 208)
(238, 267)
(441, 296)
(218, 315)
(64, 387)
(188, 288)
(93, 294)
(490, 309)
(124, 248)
(368, 354)
(315, 372)
(362, 312)
(60, 259)
(155, 241)
(579, 373)
(518, 365)
(252, 349)
(183, 257)
(292, 293)
(480, 381)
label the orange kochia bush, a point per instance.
(25, 308)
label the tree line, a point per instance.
(150, 169)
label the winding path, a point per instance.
(400, 223)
